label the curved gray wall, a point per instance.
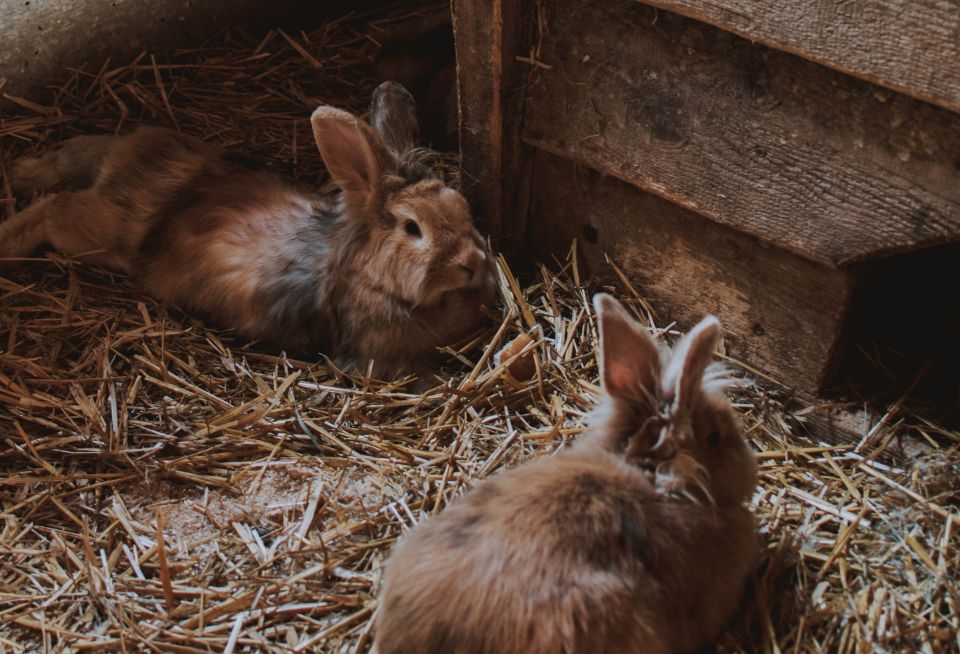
(40, 38)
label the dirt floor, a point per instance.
(165, 487)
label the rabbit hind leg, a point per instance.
(24, 232)
(73, 166)
(81, 225)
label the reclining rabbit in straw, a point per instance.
(636, 539)
(386, 272)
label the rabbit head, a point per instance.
(666, 411)
(409, 232)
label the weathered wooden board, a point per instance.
(821, 164)
(912, 46)
(490, 34)
(782, 313)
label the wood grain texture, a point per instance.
(912, 46)
(823, 165)
(478, 98)
(490, 34)
(781, 313)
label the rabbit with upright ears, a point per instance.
(636, 539)
(386, 271)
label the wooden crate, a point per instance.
(768, 179)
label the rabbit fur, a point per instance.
(634, 540)
(383, 272)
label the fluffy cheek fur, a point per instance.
(412, 270)
(439, 283)
(401, 268)
(737, 467)
(730, 464)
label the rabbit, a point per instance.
(384, 272)
(634, 539)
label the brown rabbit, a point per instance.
(634, 540)
(385, 272)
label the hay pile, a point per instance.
(165, 488)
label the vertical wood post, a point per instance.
(490, 34)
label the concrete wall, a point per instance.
(40, 38)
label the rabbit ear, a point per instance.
(352, 151)
(684, 374)
(630, 360)
(393, 113)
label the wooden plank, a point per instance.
(478, 30)
(821, 164)
(911, 46)
(781, 313)
(490, 34)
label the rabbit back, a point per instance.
(242, 247)
(248, 250)
(575, 554)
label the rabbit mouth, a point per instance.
(435, 296)
(453, 280)
(438, 293)
(474, 280)
(463, 279)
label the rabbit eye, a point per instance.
(412, 228)
(713, 438)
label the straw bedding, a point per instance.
(168, 488)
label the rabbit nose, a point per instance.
(472, 263)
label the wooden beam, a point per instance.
(490, 35)
(781, 313)
(911, 46)
(815, 162)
